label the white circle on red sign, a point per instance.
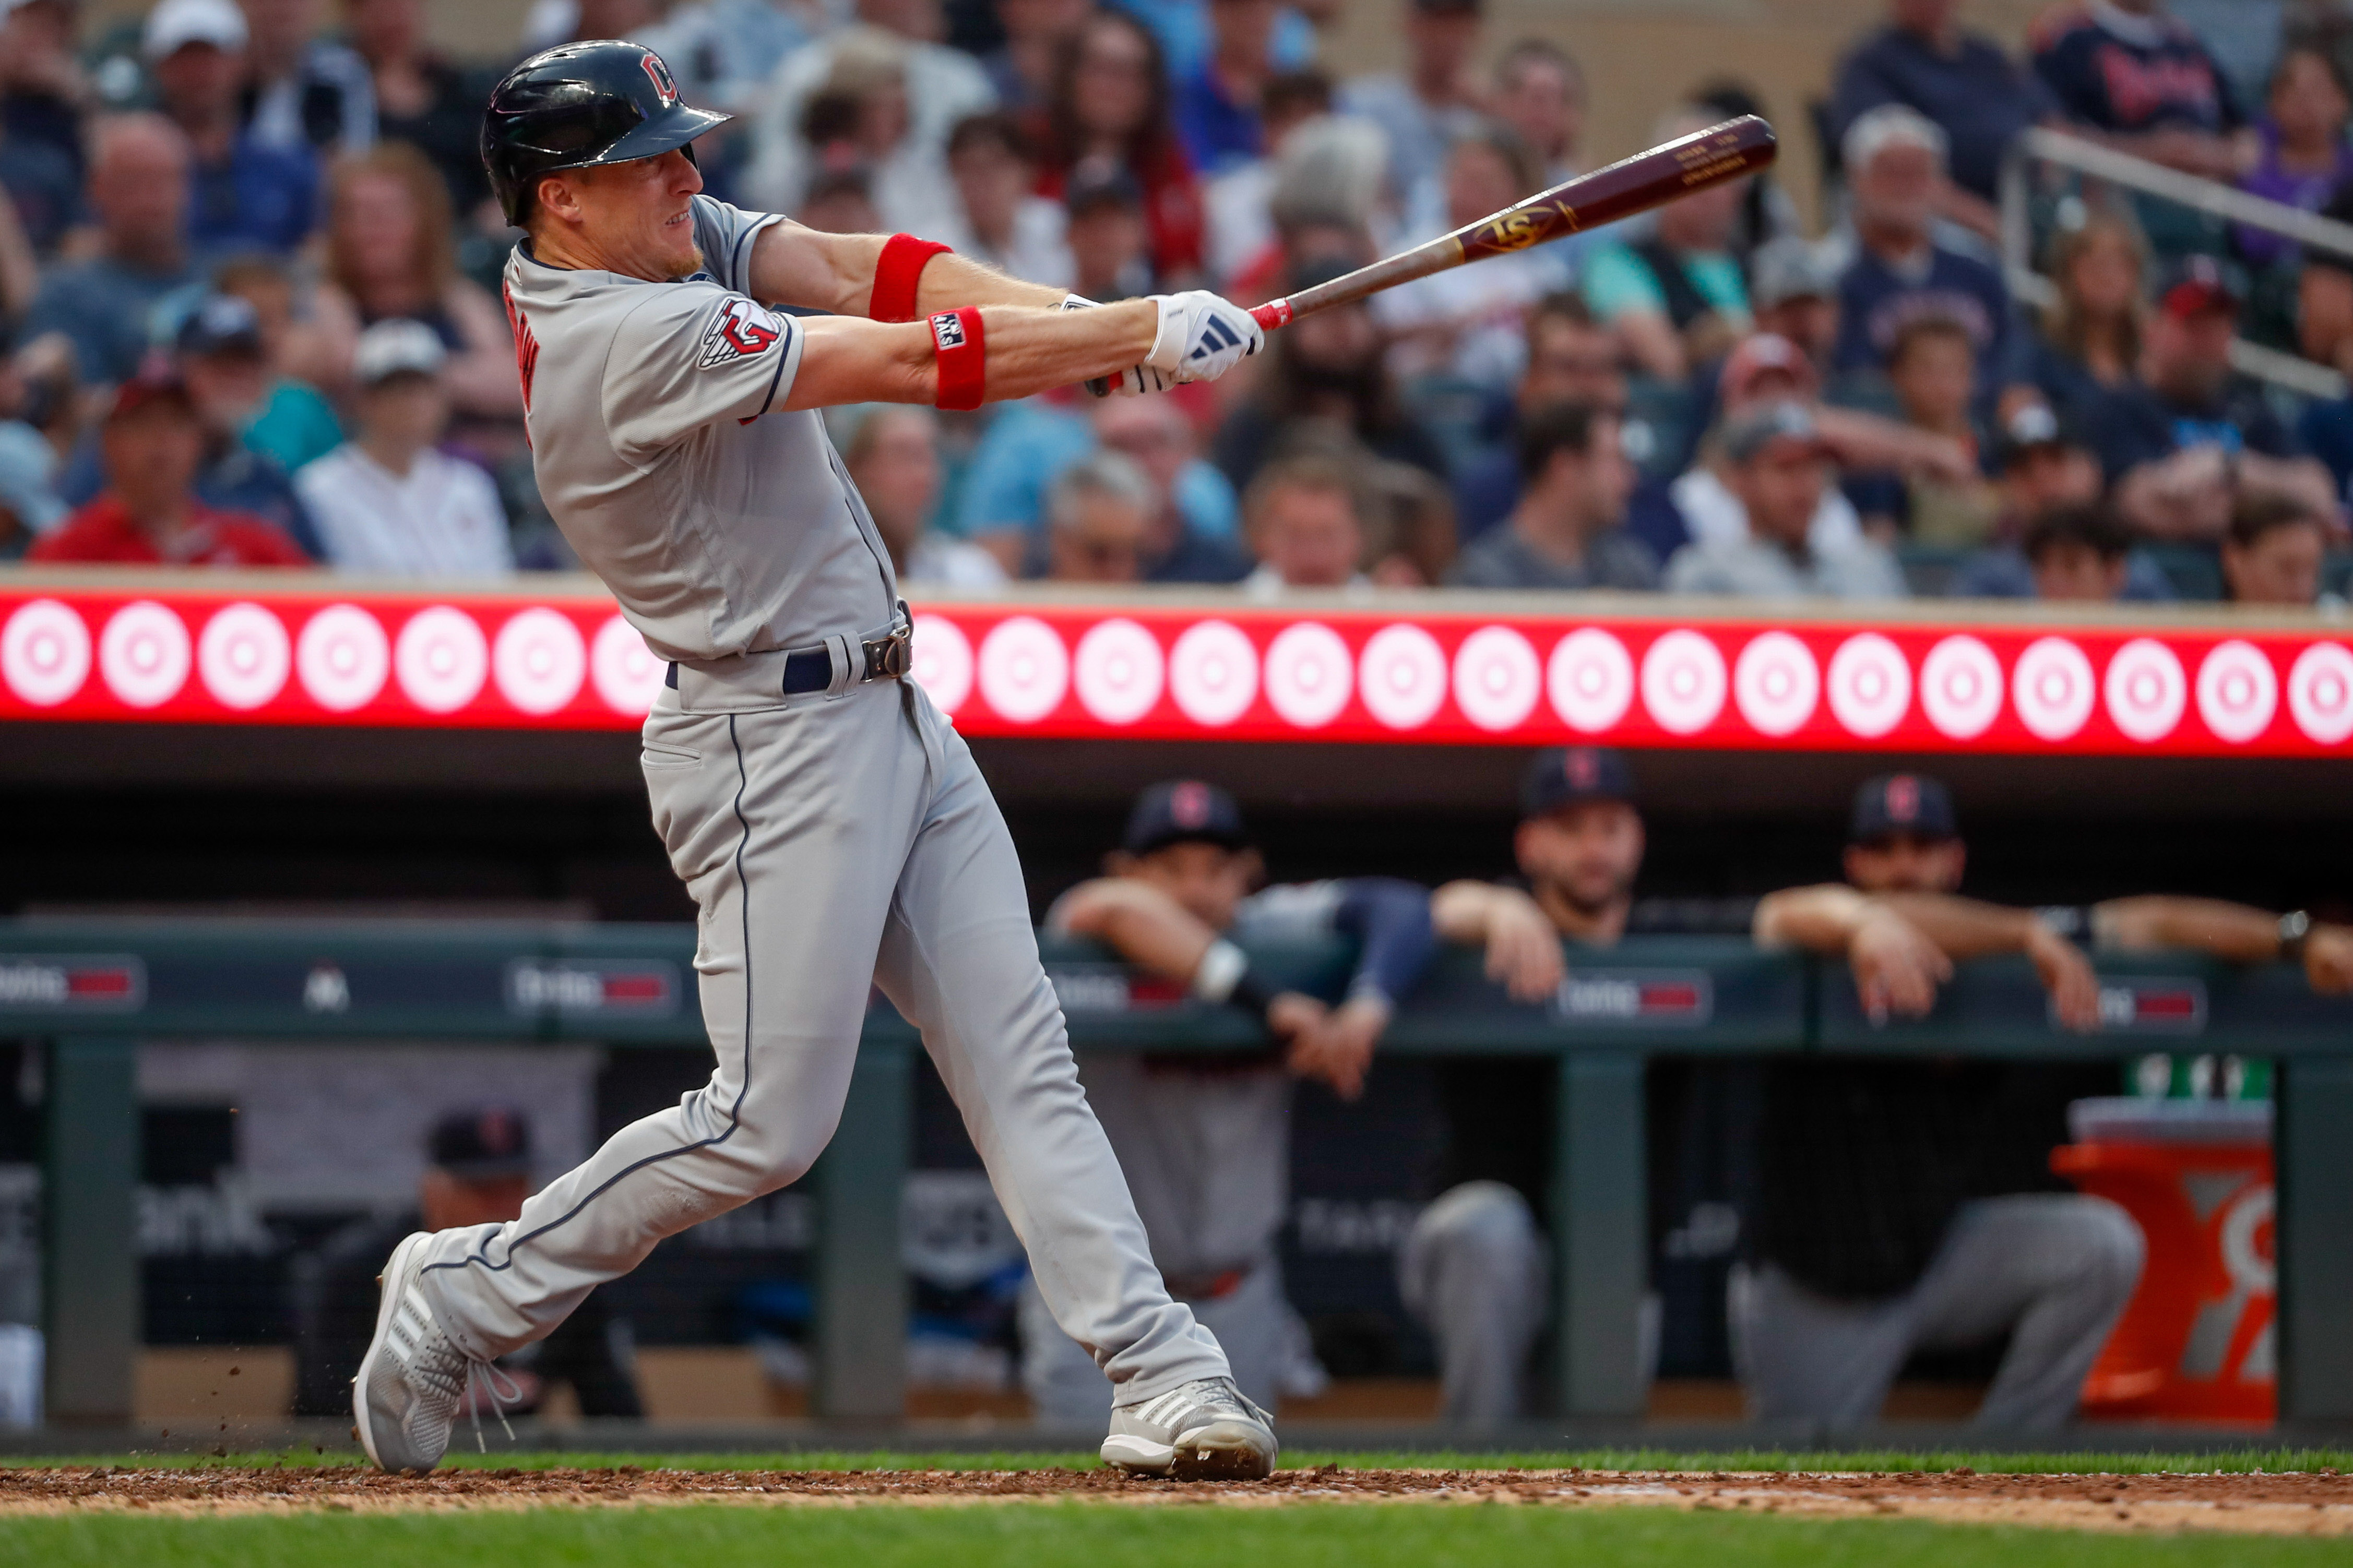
(1869, 685)
(1776, 683)
(1024, 668)
(1496, 681)
(942, 661)
(1683, 683)
(1402, 675)
(45, 653)
(2144, 689)
(440, 659)
(2052, 689)
(539, 661)
(1213, 673)
(624, 670)
(1119, 670)
(244, 656)
(143, 654)
(1960, 688)
(2238, 691)
(342, 658)
(1309, 674)
(1590, 680)
(2320, 692)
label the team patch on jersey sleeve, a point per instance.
(741, 330)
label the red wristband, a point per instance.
(962, 361)
(896, 275)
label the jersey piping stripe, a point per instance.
(784, 356)
(734, 1111)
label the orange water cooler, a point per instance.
(2198, 1341)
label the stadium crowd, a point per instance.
(248, 270)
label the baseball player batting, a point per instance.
(828, 822)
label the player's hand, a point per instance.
(2328, 959)
(1339, 1050)
(1523, 952)
(2068, 975)
(1201, 337)
(1291, 1015)
(1897, 968)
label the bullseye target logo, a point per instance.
(650, 989)
(1673, 998)
(54, 983)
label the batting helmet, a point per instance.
(600, 102)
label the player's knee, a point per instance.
(1482, 1229)
(2110, 1247)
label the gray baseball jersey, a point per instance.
(722, 525)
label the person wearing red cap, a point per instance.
(152, 446)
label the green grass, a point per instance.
(1082, 1535)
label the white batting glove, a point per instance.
(1201, 336)
(1127, 383)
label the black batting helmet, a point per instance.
(599, 102)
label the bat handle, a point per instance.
(1273, 314)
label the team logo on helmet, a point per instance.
(1903, 798)
(1188, 804)
(739, 330)
(663, 84)
(1582, 771)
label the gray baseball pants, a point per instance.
(831, 841)
(2051, 1269)
(1475, 1273)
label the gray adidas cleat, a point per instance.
(1204, 1430)
(414, 1378)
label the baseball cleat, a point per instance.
(414, 1377)
(1204, 1430)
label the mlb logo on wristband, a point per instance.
(947, 332)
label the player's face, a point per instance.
(1906, 863)
(636, 217)
(1208, 881)
(1587, 853)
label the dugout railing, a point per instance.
(90, 991)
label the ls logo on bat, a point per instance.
(1674, 998)
(1524, 226)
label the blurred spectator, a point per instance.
(138, 194)
(894, 457)
(1323, 200)
(220, 355)
(862, 116)
(1422, 111)
(390, 257)
(2046, 470)
(1327, 367)
(1111, 108)
(1933, 368)
(840, 201)
(1676, 299)
(2188, 435)
(1963, 81)
(29, 506)
(1894, 160)
(1304, 526)
(478, 1172)
(1216, 105)
(2305, 158)
(2125, 70)
(245, 194)
(1794, 288)
(42, 89)
(1238, 205)
(1568, 529)
(721, 53)
(2091, 332)
(1776, 467)
(302, 91)
(2324, 327)
(1108, 235)
(1410, 521)
(1036, 32)
(2076, 554)
(387, 502)
(935, 86)
(2273, 554)
(1098, 520)
(1182, 29)
(1765, 212)
(421, 96)
(1568, 358)
(152, 445)
(20, 268)
(1006, 223)
(1540, 94)
(1154, 434)
(295, 425)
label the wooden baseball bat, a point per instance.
(1631, 185)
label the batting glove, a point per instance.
(1201, 336)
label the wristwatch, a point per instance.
(2295, 927)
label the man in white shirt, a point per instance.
(1304, 528)
(386, 503)
(1777, 466)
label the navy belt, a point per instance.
(808, 669)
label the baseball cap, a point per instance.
(155, 382)
(1097, 184)
(1902, 803)
(1183, 811)
(481, 1141)
(392, 348)
(1751, 431)
(1792, 269)
(1761, 354)
(221, 324)
(2195, 285)
(1889, 125)
(28, 472)
(1565, 775)
(2033, 429)
(174, 23)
